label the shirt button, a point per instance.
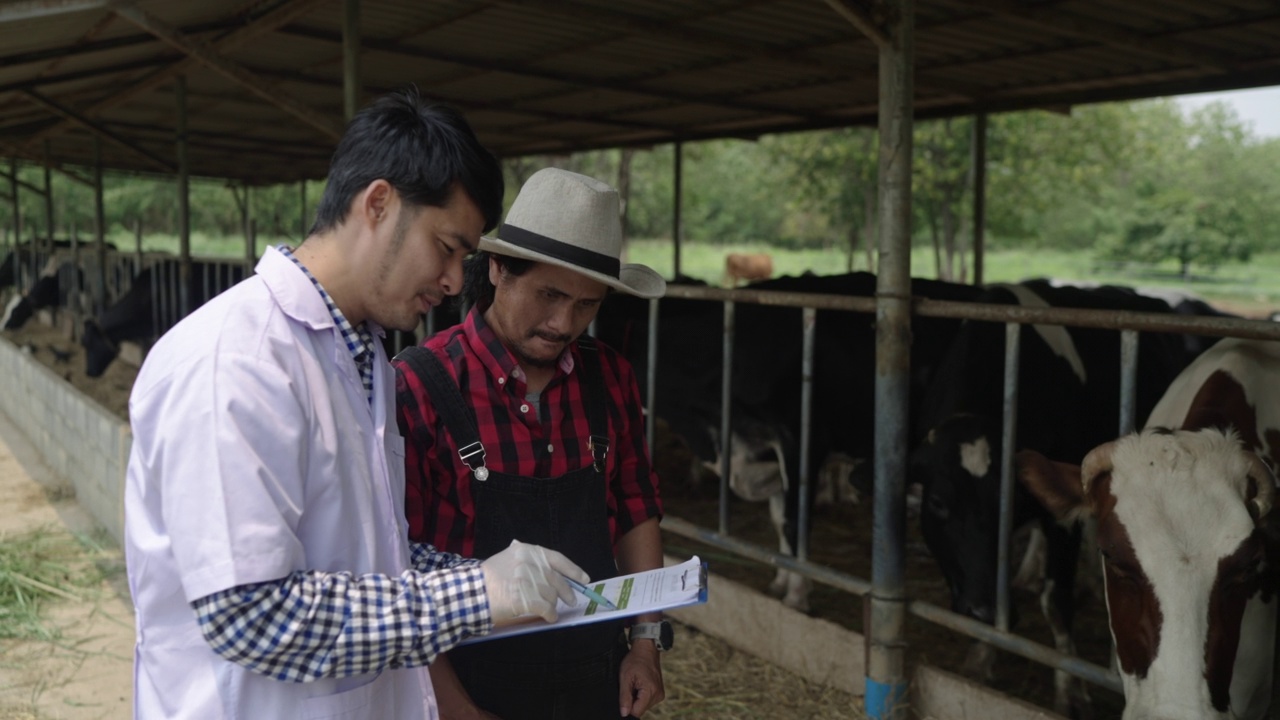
(524, 408)
(550, 447)
(502, 381)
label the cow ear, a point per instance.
(1261, 489)
(1056, 485)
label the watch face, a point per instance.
(666, 636)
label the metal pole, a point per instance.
(302, 226)
(726, 406)
(48, 194)
(1128, 379)
(17, 225)
(677, 208)
(979, 195)
(74, 294)
(184, 200)
(250, 252)
(99, 231)
(886, 681)
(1012, 345)
(351, 57)
(137, 246)
(809, 321)
(651, 377)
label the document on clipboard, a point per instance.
(661, 589)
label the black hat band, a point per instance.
(543, 245)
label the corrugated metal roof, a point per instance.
(539, 76)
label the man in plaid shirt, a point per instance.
(264, 522)
(517, 427)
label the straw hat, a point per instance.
(566, 219)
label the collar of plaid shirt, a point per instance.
(359, 340)
(494, 355)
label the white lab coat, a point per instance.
(255, 454)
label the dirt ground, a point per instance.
(86, 674)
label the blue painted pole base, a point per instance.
(884, 701)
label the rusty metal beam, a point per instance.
(96, 129)
(861, 19)
(37, 9)
(270, 22)
(206, 56)
(1051, 18)
(15, 151)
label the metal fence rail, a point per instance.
(1126, 322)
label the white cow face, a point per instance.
(1184, 565)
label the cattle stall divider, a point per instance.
(1127, 323)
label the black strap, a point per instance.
(593, 389)
(572, 254)
(458, 418)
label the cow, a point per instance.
(51, 289)
(134, 316)
(1187, 540)
(748, 266)
(768, 359)
(1068, 402)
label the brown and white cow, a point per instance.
(1187, 538)
(749, 267)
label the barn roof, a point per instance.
(264, 77)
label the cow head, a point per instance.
(1180, 520)
(16, 313)
(99, 351)
(957, 469)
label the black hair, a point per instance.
(477, 291)
(421, 149)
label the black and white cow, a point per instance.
(133, 317)
(767, 367)
(1068, 403)
(52, 288)
(1187, 540)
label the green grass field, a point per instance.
(1252, 288)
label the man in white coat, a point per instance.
(264, 521)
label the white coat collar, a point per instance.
(296, 295)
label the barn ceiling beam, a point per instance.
(37, 9)
(46, 80)
(862, 19)
(279, 16)
(633, 24)
(209, 58)
(521, 69)
(72, 116)
(1050, 18)
(15, 151)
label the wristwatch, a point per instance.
(660, 633)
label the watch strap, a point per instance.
(650, 631)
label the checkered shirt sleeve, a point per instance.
(313, 625)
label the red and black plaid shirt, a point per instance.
(438, 500)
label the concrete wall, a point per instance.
(78, 439)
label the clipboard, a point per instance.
(659, 589)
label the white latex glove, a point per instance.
(525, 580)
